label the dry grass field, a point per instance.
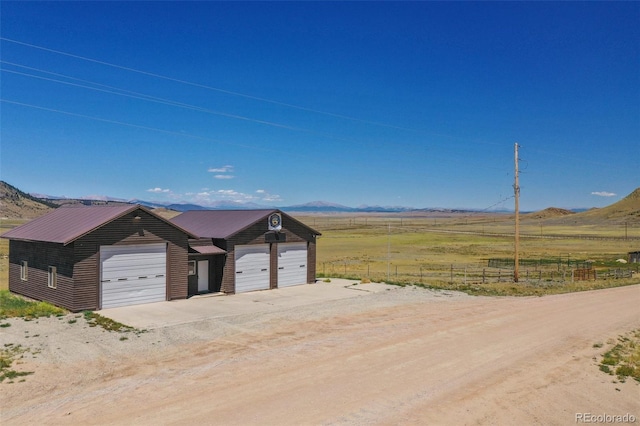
(431, 248)
(439, 251)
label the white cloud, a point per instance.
(209, 196)
(224, 176)
(604, 194)
(158, 190)
(223, 169)
(265, 196)
(274, 197)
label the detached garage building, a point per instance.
(246, 250)
(87, 258)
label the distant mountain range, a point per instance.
(15, 203)
(311, 207)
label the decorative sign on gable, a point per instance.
(275, 222)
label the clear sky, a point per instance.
(276, 103)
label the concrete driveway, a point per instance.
(198, 308)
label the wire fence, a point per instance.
(534, 273)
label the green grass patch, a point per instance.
(97, 320)
(13, 306)
(7, 357)
(623, 359)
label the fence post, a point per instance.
(451, 274)
(572, 275)
(465, 274)
(483, 275)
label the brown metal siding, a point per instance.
(127, 231)
(39, 257)
(86, 274)
(78, 264)
(311, 262)
(273, 266)
(294, 231)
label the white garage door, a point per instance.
(132, 275)
(252, 267)
(292, 264)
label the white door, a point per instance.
(252, 267)
(203, 275)
(292, 264)
(132, 275)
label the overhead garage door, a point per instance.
(292, 264)
(252, 267)
(132, 275)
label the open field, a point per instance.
(423, 248)
(450, 249)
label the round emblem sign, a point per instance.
(275, 221)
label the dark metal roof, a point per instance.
(68, 223)
(219, 223)
(222, 223)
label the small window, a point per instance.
(24, 270)
(192, 267)
(52, 277)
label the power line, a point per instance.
(145, 97)
(122, 123)
(142, 96)
(244, 95)
(203, 86)
(247, 96)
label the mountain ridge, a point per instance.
(15, 203)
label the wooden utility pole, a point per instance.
(516, 192)
(388, 252)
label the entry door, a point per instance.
(203, 275)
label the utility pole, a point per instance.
(388, 252)
(516, 192)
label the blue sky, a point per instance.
(275, 103)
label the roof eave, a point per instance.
(126, 212)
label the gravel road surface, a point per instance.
(401, 356)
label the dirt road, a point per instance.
(457, 361)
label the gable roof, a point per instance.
(68, 223)
(223, 223)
